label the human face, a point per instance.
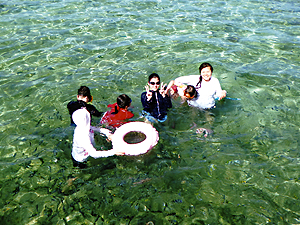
(154, 84)
(187, 95)
(83, 98)
(206, 73)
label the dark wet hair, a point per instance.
(202, 66)
(122, 101)
(153, 75)
(191, 90)
(85, 92)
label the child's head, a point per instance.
(123, 101)
(84, 94)
(154, 81)
(190, 92)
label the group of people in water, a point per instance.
(198, 91)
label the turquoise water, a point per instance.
(245, 172)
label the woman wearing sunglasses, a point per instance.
(156, 101)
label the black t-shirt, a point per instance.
(74, 105)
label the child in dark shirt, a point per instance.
(83, 98)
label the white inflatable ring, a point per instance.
(138, 148)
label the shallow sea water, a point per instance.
(245, 172)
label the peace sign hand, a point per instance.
(149, 93)
(163, 90)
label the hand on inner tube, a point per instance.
(119, 152)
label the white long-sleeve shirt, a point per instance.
(206, 94)
(82, 138)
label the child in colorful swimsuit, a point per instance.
(118, 113)
(186, 92)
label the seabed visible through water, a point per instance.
(246, 171)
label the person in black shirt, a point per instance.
(156, 102)
(83, 97)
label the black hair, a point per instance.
(202, 66)
(85, 92)
(122, 101)
(191, 90)
(153, 75)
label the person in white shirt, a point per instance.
(208, 87)
(83, 139)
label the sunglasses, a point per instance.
(153, 83)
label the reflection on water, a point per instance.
(244, 172)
